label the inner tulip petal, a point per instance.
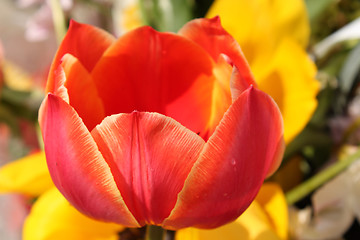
(82, 92)
(150, 156)
(212, 37)
(77, 167)
(85, 42)
(241, 151)
(157, 72)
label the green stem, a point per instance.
(319, 179)
(58, 19)
(154, 233)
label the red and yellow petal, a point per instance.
(86, 43)
(150, 156)
(77, 167)
(241, 151)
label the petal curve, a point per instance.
(241, 151)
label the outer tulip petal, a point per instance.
(53, 218)
(156, 77)
(76, 165)
(85, 42)
(211, 36)
(150, 156)
(246, 143)
(265, 219)
(21, 176)
(83, 96)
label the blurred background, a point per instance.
(320, 97)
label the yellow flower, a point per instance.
(53, 218)
(273, 35)
(265, 219)
(28, 175)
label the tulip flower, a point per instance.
(158, 128)
(274, 35)
(52, 217)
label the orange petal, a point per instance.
(150, 156)
(77, 167)
(157, 72)
(233, 164)
(83, 96)
(85, 42)
(212, 37)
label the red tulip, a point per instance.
(158, 128)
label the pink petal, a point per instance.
(85, 42)
(211, 36)
(233, 165)
(77, 167)
(157, 72)
(150, 156)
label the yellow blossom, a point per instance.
(53, 218)
(28, 175)
(273, 35)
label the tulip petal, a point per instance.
(86, 43)
(211, 36)
(76, 165)
(241, 151)
(15, 176)
(53, 218)
(150, 156)
(83, 96)
(156, 77)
